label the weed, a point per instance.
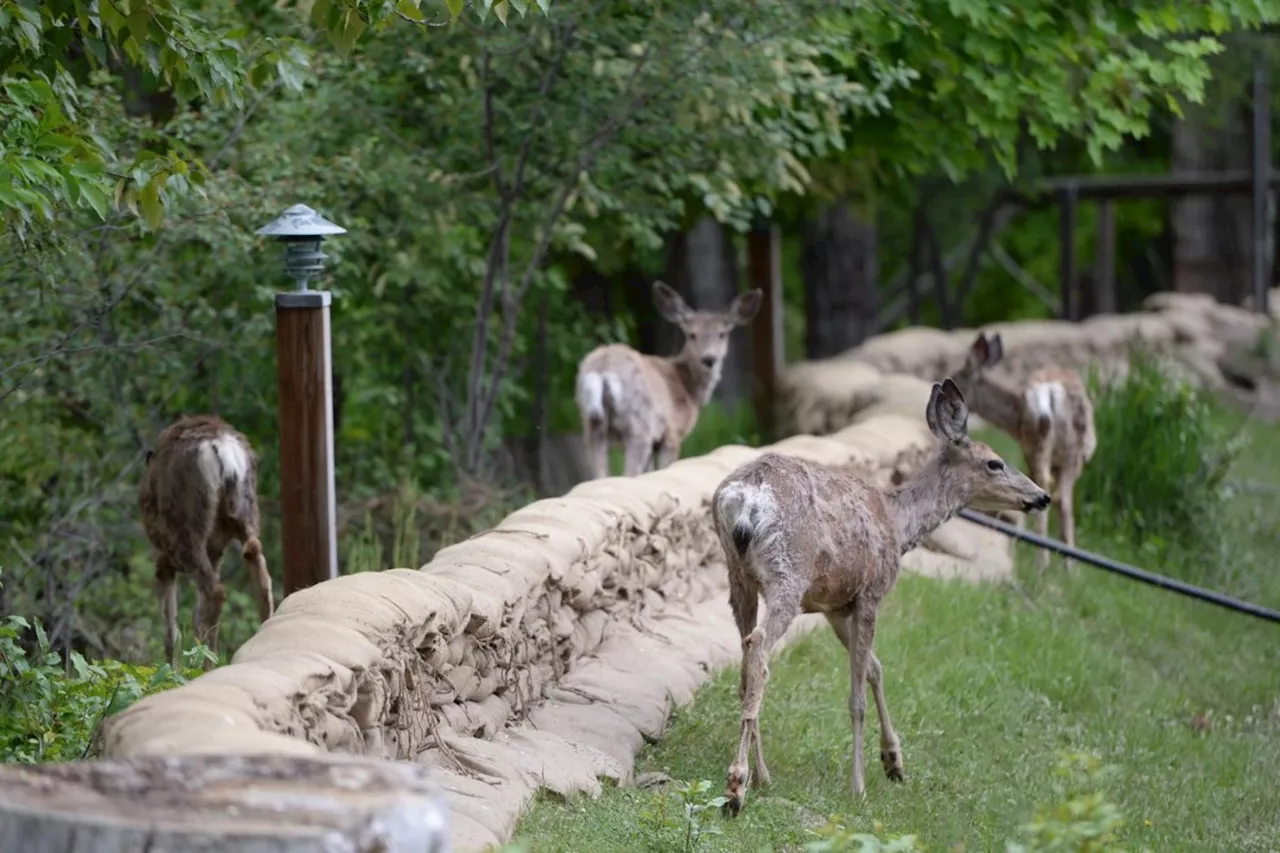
(1159, 475)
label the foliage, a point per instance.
(1162, 460)
(49, 712)
(685, 828)
(1082, 821)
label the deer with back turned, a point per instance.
(198, 493)
(814, 540)
(1051, 418)
(650, 404)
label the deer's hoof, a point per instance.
(736, 792)
(892, 761)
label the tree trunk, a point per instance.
(839, 269)
(1212, 233)
(702, 266)
(220, 804)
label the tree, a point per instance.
(55, 156)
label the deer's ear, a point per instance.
(931, 410)
(997, 349)
(670, 305)
(950, 412)
(744, 308)
(979, 352)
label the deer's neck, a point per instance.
(698, 380)
(996, 402)
(925, 501)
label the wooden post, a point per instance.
(1261, 181)
(764, 270)
(305, 380)
(1104, 271)
(1067, 245)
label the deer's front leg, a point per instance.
(1041, 474)
(890, 747)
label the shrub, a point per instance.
(1159, 474)
(51, 711)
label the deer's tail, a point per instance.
(595, 397)
(740, 513)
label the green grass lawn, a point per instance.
(987, 686)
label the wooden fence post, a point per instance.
(764, 269)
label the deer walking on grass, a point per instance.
(1051, 418)
(650, 404)
(198, 493)
(813, 540)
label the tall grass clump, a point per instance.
(1159, 474)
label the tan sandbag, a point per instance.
(597, 726)
(343, 645)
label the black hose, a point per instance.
(1121, 568)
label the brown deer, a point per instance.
(1051, 418)
(650, 404)
(199, 492)
(813, 540)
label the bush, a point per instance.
(50, 711)
(1159, 474)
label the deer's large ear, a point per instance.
(744, 308)
(997, 349)
(948, 413)
(670, 305)
(979, 352)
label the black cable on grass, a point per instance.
(1124, 569)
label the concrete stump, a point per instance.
(220, 804)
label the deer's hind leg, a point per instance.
(756, 646)
(210, 594)
(246, 531)
(167, 593)
(744, 599)
(595, 438)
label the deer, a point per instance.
(198, 492)
(808, 538)
(649, 404)
(1051, 418)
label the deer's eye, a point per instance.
(995, 465)
(693, 336)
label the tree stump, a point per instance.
(219, 804)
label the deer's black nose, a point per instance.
(709, 360)
(1044, 500)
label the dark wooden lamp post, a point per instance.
(305, 379)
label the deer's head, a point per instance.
(706, 333)
(988, 482)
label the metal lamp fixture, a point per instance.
(301, 229)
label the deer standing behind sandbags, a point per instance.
(650, 404)
(1051, 418)
(199, 492)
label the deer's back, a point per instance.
(829, 532)
(202, 469)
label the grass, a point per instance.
(987, 686)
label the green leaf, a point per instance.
(149, 201)
(410, 9)
(455, 7)
(500, 10)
